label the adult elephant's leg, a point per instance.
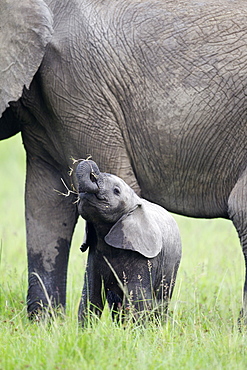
(237, 210)
(50, 221)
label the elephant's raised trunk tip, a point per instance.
(88, 173)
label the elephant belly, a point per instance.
(195, 175)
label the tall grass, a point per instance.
(201, 332)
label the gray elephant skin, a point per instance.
(134, 248)
(154, 90)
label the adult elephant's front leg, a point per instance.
(50, 221)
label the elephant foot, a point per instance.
(41, 304)
(40, 311)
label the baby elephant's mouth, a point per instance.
(87, 195)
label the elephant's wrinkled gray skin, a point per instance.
(134, 246)
(154, 90)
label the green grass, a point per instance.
(201, 332)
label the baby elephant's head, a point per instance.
(103, 197)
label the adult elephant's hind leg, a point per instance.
(237, 210)
(50, 221)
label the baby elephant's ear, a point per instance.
(139, 230)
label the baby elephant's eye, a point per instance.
(116, 190)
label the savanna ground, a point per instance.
(201, 332)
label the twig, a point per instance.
(80, 160)
(68, 191)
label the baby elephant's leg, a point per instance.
(115, 302)
(149, 294)
(139, 299)
(163, 289)
(93, 297)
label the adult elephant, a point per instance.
(154, 90)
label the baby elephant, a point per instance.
(134, 247)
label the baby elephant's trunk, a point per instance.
(88, 175)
